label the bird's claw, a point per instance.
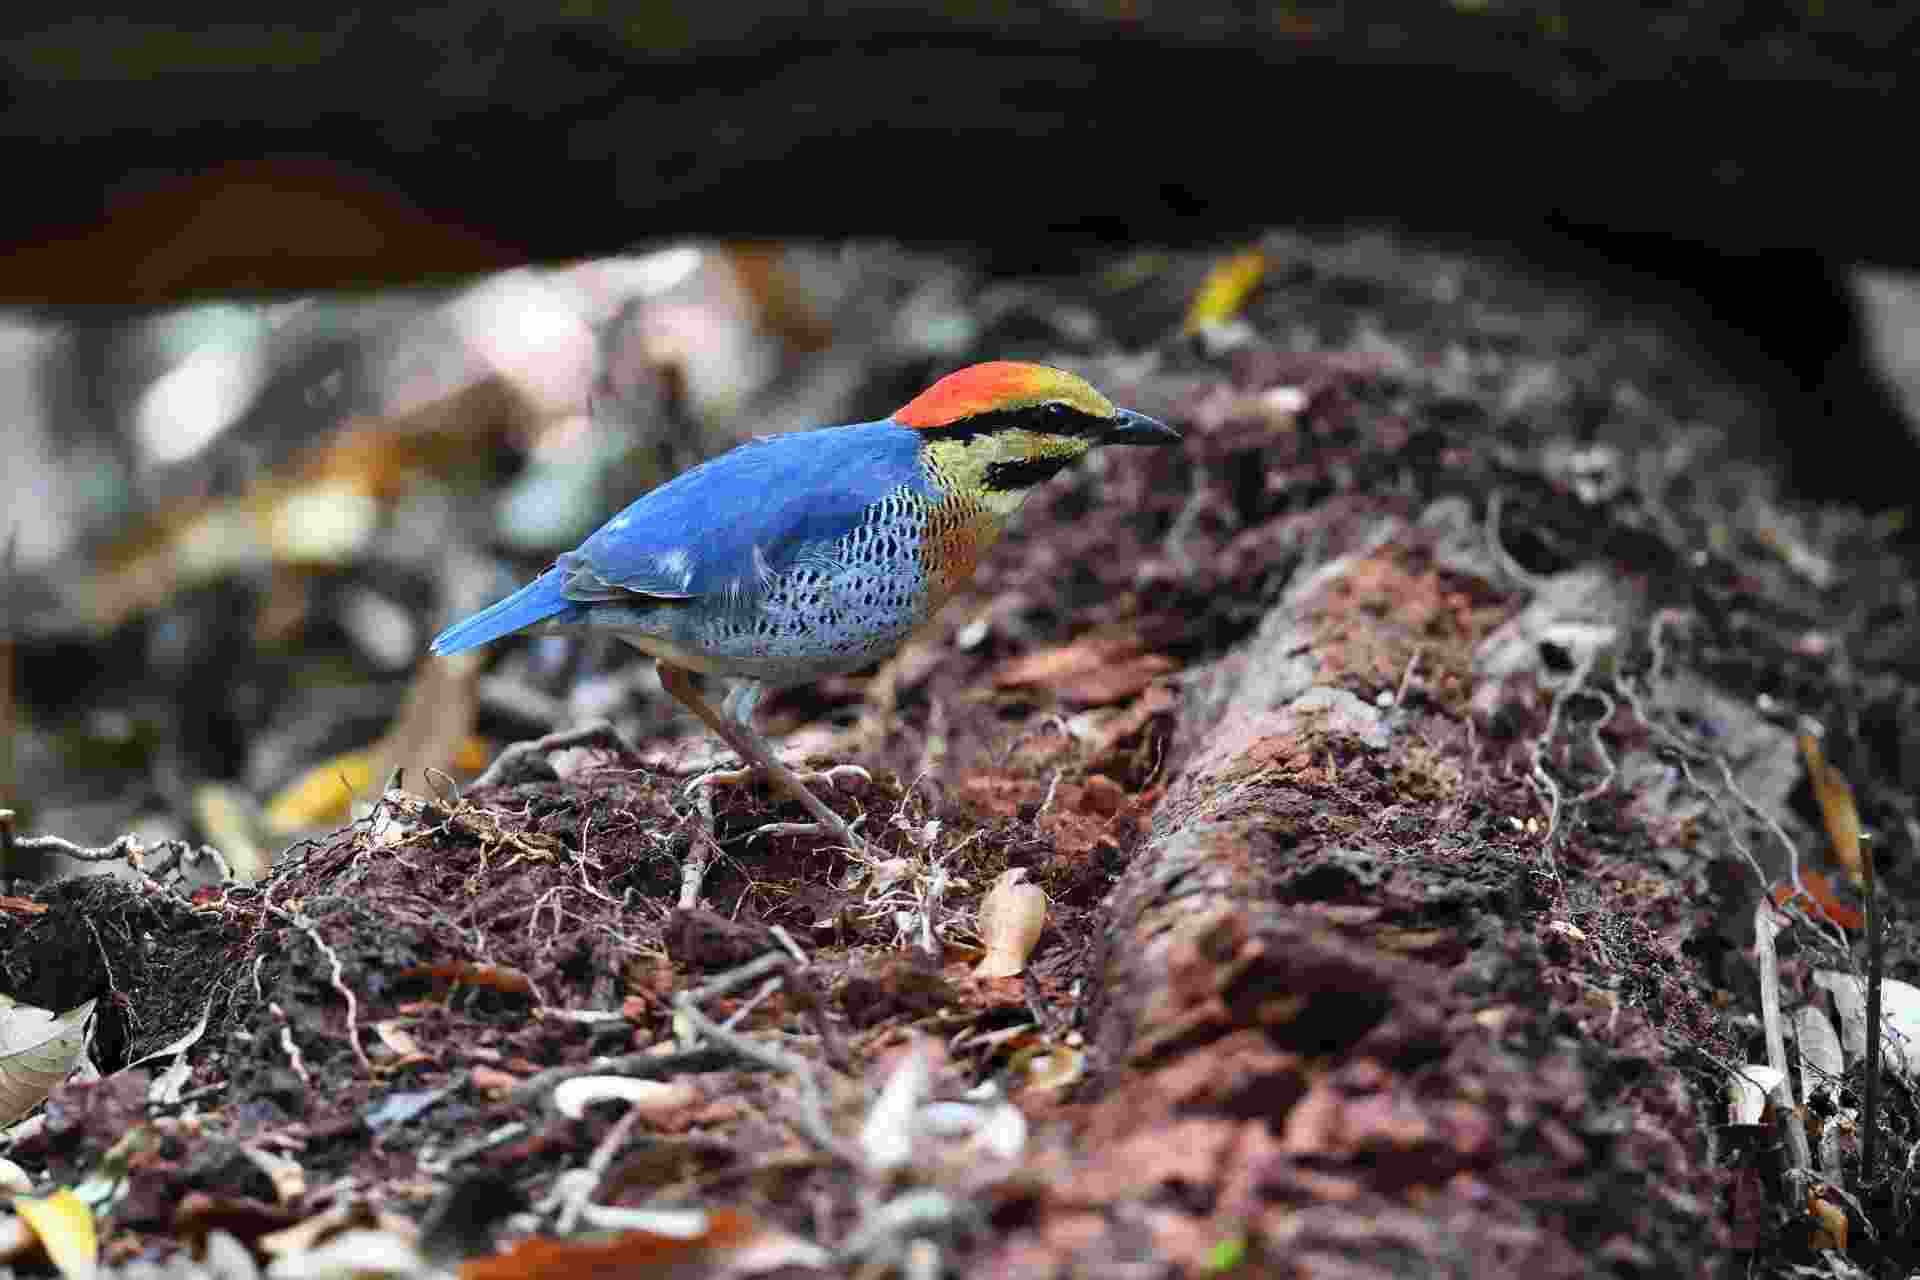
(844, 836)
(831, 776)
(723, 778)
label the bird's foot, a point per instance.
(826, 825)
(830, 776)
(837, 833)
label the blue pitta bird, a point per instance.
(813, 553)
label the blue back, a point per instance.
(783, 494)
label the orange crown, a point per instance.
(998, 384)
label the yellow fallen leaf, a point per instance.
(1228, 285)
(64, 1225)
(1011, 917)
(225, 814)
(433, 728)
(322, 795)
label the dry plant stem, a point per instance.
(754, 1001)
(1799, 1153)
(930, 907)
(1544, 781)
(918, 1214)
(734, 979)
(755, 752)
(1870, 1099)
(125, 846)
(512, 760)
(596, 1168)
(811, 1120)
(785, 939)
(693, 871)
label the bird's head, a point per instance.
(996, 431)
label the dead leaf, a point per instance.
(401, 1041)
(1011, 918)
(288, 1178)
(1825, 902)
(1836, 806)
(16, 1238)
(1229, 283)
(494, 977)
(64, 1226)
(1832, 1231)
(37, 1050)
(433, 729)
(1094, 671)
(322, 795)
(1048, 1066)
(732, 1243)
(227, 815)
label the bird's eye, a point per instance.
(1058, 414)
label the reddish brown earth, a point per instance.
(1330, 985)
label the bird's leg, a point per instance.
(736, 713)
(735, 728)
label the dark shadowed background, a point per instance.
(1727, 162)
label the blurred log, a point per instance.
(1722, 164)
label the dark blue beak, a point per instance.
(1128, 427)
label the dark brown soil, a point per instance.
(1368, 751)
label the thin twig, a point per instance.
(1869, 1141)
(785, 939)
(811, 1118)
(734, 979)
(1406, 678)
(693, 868)
(596, 1167)
(1544, 781)
(754, 1001)
(1767, 960)
(126, 846)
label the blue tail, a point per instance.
(538, 600)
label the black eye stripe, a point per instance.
(1024, 473)
(1053, 418)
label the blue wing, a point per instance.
(757, 509)
(717, 527)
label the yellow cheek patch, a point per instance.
(969, 466)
